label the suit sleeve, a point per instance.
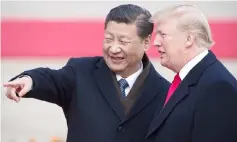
(215, 119)
(54, 86)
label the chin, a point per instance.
(117, 68)
(163, 63)
(166, 65)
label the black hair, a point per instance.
(132, 14)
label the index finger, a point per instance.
(12, 84)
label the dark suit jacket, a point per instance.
(202, 109)
(85, 90)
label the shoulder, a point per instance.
(84, 61)
(216, 85)
(83, 65)
(158, 78)
(216, 74)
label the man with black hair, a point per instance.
(105, 99)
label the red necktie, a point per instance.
(173, 87)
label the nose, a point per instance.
(115, 49)
(157, 41)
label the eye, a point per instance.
(163, 35)
(108, 39)
(124, 42)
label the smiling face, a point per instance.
(123, 49)
(170, 43)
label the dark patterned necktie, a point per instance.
(123, 84)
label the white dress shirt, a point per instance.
(185, 70)
(131, 79)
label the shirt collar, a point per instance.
(185, 70)
(132, 78)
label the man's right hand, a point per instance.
(19, 86)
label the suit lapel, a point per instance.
(181, 92)
(148, 92)
(104, 80)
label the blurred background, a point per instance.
(48, 33)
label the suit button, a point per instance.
(120, 129)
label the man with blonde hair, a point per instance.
(201, 104)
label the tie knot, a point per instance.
(177, 79)
(123, 83)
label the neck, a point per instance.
(188, 56)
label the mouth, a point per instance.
(117, 59)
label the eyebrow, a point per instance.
(120, 36)
(159, 32)
(123, 36)
(108, 33)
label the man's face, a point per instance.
(170, 43)
(123, 49)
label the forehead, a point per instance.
(166, 25)
(121, 29)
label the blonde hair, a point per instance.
(190, 19)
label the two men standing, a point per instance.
(120, 97)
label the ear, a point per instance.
(190, 39)
(147, 42)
